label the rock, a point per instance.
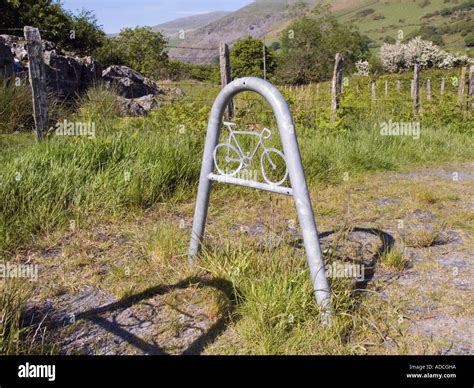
(9, 40)
(63, 74)
(93, 70)
(6, 61)
(67, 75)
(129, 83)
(137, 106)
(177, 92)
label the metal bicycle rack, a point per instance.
(294, 165)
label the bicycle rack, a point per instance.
(298, 189)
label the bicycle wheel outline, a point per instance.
(266, 152)
(230, 146)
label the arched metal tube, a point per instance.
(296, 174)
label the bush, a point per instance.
(309, 46)
(140, 48)
(80, 33)
(469, 39)
(246, 57)
(402, 56)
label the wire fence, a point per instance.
(351, 95)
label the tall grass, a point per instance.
(12, 299)
(133, 163)
(136, 162)
(73, 177)
(15, 106)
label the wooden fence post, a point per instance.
(461, 86)
(37, 75)
(336, 85)
(443, 84)
(398, 86)
(416, 89)
(373, 87)
(224, 60)
(428, 90)
(470, 91)
(386, 89)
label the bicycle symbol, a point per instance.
(229, 158)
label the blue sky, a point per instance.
(116, 14)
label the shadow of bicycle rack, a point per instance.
(196, 347)
(387, 243)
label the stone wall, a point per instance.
(6, 60)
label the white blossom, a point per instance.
(401, 56)
(362, 68)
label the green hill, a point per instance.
(448, 23)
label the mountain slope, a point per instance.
(381, 20)
(255, 19)
(171, 29)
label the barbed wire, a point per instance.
(22, 29)
(193, 48)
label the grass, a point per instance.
(403, 15)
(395, 259)
(274, 311)
(135, 165)
(15, 102)
(422, 237)
(12, 299)
(137, 162)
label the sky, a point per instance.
(114, 15)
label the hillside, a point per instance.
(171, 29)
(381, 20)
(256, 19)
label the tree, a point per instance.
(310, 44)
(140, 48)
(246, 58)
(80, 33)
(88, 35)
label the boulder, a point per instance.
(136, 106)
(68, 76)
(129, 83)
(6, 61)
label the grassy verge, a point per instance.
(135, 164)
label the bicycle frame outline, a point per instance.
(247, 157)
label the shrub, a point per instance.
(246, 57)
(402, 56)
(469, 39)
(310, 44)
